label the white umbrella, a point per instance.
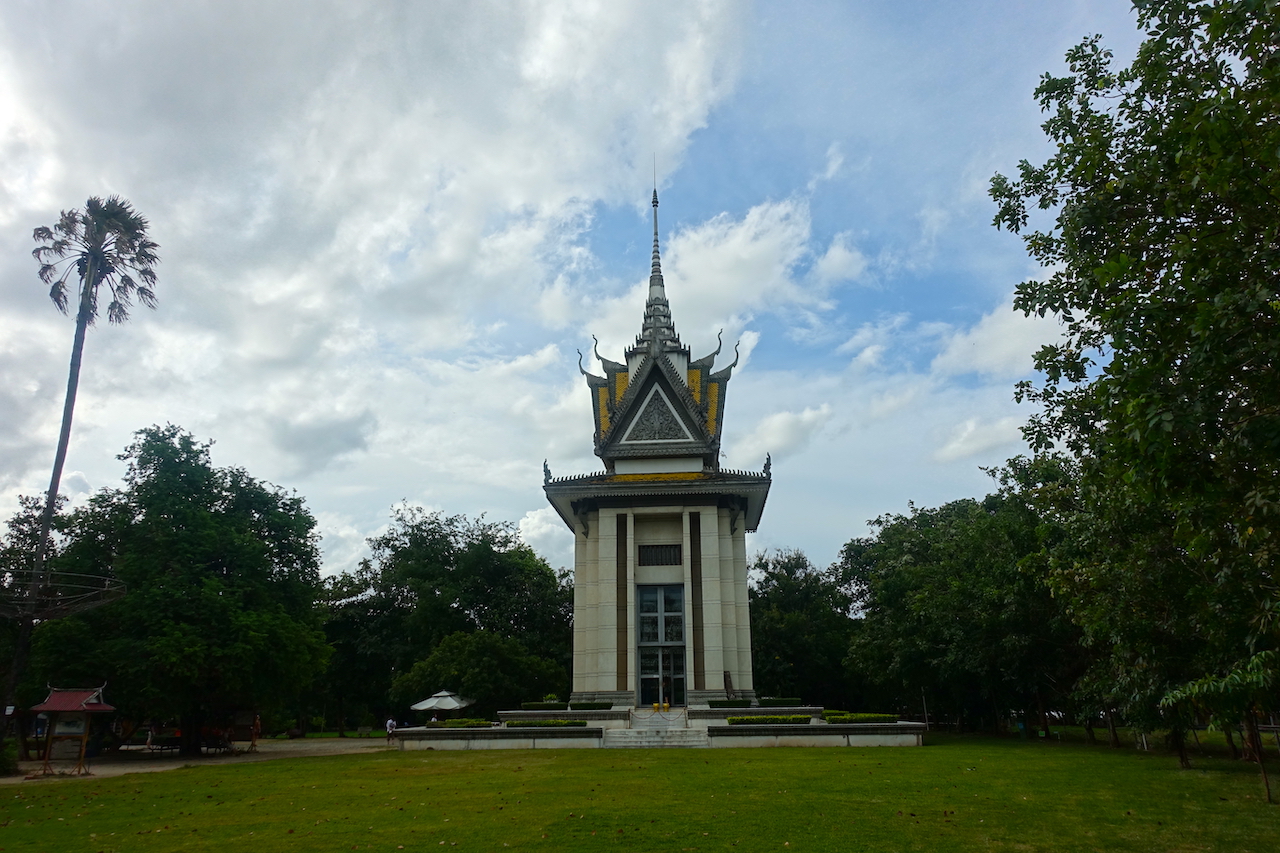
(442, 701)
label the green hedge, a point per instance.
(592, 706)
(467, 724)
(786, 702)
(730, 703)
(771, 720)
(846, 717)
(546, 724)
(544, 706)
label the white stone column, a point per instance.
(633, 679)
(742, 600)
(586, 597)
(712, 619)
(728, 603)
(606, 628)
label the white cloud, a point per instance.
(781, 434)
(972, 437)
(542, 530)
(1000, 345)
(841, 262)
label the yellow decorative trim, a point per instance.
(620, 381)
(713, 409)
(639, 478)
(604, 410)
(695, 384)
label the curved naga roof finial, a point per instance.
(735, 356)
(595, 348)
(768, 466)
(546, 472)
(580, 368)
(719, 343)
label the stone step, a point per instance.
(658, 720)
(655, 738)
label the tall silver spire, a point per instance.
(658, 326)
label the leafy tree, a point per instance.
(954, 603)
(496, 672)
(431, 576)
(800, 630)
(222, 573)
(1164, 243)
(105, 244)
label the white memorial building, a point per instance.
(660, 560)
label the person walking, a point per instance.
(391, 728)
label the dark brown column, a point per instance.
(623, 605)
(695, 573)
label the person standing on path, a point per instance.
(391, 728)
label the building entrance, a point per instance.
(661, 652)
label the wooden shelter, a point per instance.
(69, 711)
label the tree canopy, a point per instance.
(801, 626)
(1163, 237)
(954, 603)
(222, 573)
(432, 576)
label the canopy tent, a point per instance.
(442, 701)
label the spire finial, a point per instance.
(656, 268)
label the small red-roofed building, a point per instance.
(68, 710)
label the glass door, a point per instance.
(661, 641)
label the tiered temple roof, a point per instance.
(659, 418)
(658, 403)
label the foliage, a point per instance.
(107, 244)
(546, 724)
(222, 573)
(800, 629)
(954, 604)
(771, 720)
(1165, 201)
(544, 706)
(846, 717)
(431, 576)
(495, 671)
(592, 706)
(466, 723)
(775, 702)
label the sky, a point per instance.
(386, 229)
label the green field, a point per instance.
(958, 793)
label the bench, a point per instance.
(364, 731)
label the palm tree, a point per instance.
(105, 244)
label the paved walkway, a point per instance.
(118, 764)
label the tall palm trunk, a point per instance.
(26, 625)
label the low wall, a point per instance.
(550, 738)
(852, 734)
(615, 719)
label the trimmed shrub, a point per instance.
(771, 720)
(467, 724)
(9, 759)
(544, 706)
(730, 703)
(591, 706)
(546, 724)
(838, 717)
(786, 702)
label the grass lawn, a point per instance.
(957, 793)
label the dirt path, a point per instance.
(143, 762)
